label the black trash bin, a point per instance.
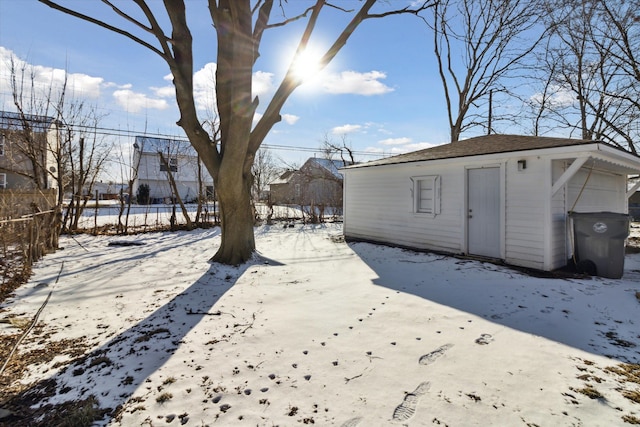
(599, 242)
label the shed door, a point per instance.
(483, 219)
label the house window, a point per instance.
(426, 194)
(3, 180)
(1, 145)
(173, 165)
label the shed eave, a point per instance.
(610, 158)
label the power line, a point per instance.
(112, 132)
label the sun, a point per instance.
(307, 64)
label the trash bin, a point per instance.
(598, 243)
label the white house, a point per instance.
(499, 196)
(182, 162)
(28, 148)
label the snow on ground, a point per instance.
(145, 217)
(318, 331)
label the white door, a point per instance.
(483, 216)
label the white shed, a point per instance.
(499, 196)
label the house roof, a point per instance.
(147, 144)
(489, 144)
(333, 166)
(284, 178)
(15, 121)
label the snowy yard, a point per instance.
(318, 331)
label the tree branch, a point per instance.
(102, 24)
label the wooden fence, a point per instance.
(23, 241)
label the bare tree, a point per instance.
(479, 44)
(264, 171)
(239, 26)
(174, 190)
(130, 170)
(87, 154)
(74, 157)
(343, 149)
(36, 109)
(593, 48)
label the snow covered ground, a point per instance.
(318, 331)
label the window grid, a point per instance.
(426, 194)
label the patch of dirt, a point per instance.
(18, 398)
(625, 375)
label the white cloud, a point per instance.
(134, 102)
(47, 78)
(356, 83)
(290, 119)
(395, 141)
(418, 146)
(164, 91)
(344, 129)
(262, 83)
(204, 85)
(400, 148)
(561, 97)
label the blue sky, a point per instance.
(382, 94)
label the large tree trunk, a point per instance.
(228, 156)
(236, 218)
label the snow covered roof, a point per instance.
(15, 121)
(489, 144)
(147, 144)
(284, 178)
(333, 166)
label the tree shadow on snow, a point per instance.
(116, 369)
(592, 314)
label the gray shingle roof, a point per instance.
(489, 144)
(14, 121)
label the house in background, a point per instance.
(499, 196)
(26, 160)
(318, 182)
(182, 162)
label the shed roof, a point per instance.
(481, 145)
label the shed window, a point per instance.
(3, 180)
(426, 194)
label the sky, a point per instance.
(381, 94)
(317, 331)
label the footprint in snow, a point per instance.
(353, 422)
(484, 339)
(407, 408)
(431, 357)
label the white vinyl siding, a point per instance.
(426, 194)
(383, 203)
(381, 208)
(525, 213)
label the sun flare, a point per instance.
(307, 64)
